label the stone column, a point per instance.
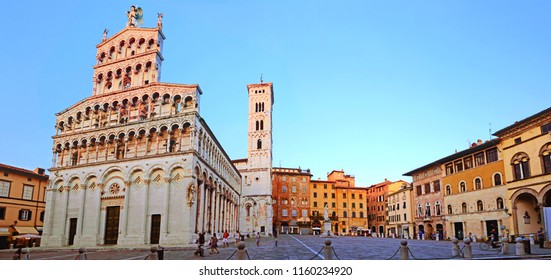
(124, 220)
(166, 211)
(146, 210)
(80, 221)
(125, 147)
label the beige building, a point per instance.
(475, 191)
(134, 163)
(428, 200)
(527, 160)
(400, 218)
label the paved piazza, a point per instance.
(289, 247)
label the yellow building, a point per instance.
(527, 160)
(346, 204)
(21, 204)
(475, 191)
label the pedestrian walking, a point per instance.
(236, 238)
(225, 239)
(258, 239)
(200, 242)
(214, 244)
(541, 237)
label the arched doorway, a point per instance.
(421, 232)
(440, 231)
(381, 231)
(526, 213)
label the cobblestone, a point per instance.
(289, 247)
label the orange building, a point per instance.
(346, 204)
(22, 203)
(291, 198)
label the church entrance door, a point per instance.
(112, 225)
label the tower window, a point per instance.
(259, 144)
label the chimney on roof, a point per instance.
(39, 171)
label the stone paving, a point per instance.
(289, 247)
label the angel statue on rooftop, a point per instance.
(135, 16)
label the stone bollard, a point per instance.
(504, 246)
(81, 254)
(153, 253)
(455, 248)
(532, 242)
(520, 247)
(404, 251)
(468, 250)
(241, 253)
(25, 254)
(327, 250)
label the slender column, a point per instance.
(80, 221)
(124, 220)
(125, 147)
(167, 141)
(54, 158)
(205, 209)
(147, 138)
(87, 153)
(64, 213)
(116, 148)
(167, 207)
(98, 217)
(157, 145)
(136, 147)
(198, 203)
(214, 220)
(70, 161)
(146, 210)
(180, 137)
(106, 149)
(79, 148)
(97, 152)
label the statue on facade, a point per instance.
(105, 31)
(135, 16)
(326, 212)
(160, 20)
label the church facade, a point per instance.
(134, 163)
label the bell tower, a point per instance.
(256, 214)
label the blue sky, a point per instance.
(376, 88)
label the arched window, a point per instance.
(248, 209)
(499, 203)
(257, 125)
(361, 214)
(344, 214)
(449, 209)
(545, 154)
(479, 206)
(477, 184)
(353, 214)
(497, 179)
(521, 166)
(427, 211)
(261, 124)
(259, 144)
(419, 210)
(462, 187)
(448, 190)
(464, 207)
(256, 107)
(437, 208)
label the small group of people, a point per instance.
(213, 245)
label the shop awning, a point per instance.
(25, 230)
(4, 232)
